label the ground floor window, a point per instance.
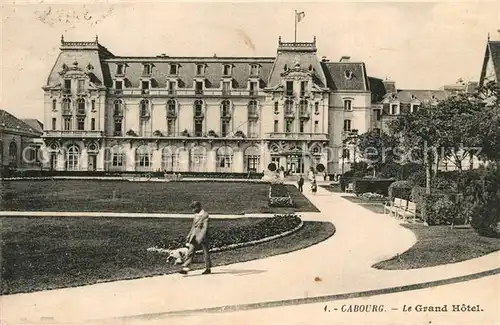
(117, 157)
(143, 158)
(169, 159)
(252, 159)
(197, 161)
(224, 159)
(73, 158)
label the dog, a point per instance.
(175, 256)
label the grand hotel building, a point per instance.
(213, 114)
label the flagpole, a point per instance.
(295, 39)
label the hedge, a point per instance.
(266, 228)
(372, 185)
(279, 196)
(53, 173)
(400, 189)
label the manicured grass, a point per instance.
(155, 197)
(375, 206)
(40, 253)
(438, 245)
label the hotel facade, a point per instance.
(104, 112)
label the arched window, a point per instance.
(169, 159)
(118, 108)
(73, 158)
(143, 157)
(144, 108)
(224, 159)
(225, 108)
(198, 108)
(81, 106)
(171, 108)
(117, 157)
(13, 154)
(252, 107)
(66, 105)
(252, 159)
(303, 106)
(288, 106)
(197, 159)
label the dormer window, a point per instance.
(145, 85)
(227, 70)
(254, 86)
(254, 69)
(174, 68)
(118, 84)
(81, 86)
(394, 109)
(200, 69)
(303, 88)
(347, 105)
(120, 69)
(146, 70)
(415, 108)
(67, 85)
(289, 88)
(348, 74)
(198, 90)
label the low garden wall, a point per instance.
(279, 196)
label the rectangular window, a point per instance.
(170, 127)
(54, 105)
(171, 87)
(199, 88)
(347, 125)
(227, 70)
(394, 109)
(302, 126)
(119, 69)
(346, 154)
(316, 126)
(303, 87)
(276, 108)
(93, 105)
(254, 69)
(200, 69)
(379, 114)
(288, 126)
(54, 123)
(226, 88)
(119, 84)
(289, 88)
(252, 129)
(67, 123)
(147, 69)
(117, 159)
(347, 105)
(92, 124)
(198, 128)
(415, 108)
(118, 127)
(81, 86)
(252, 162)
(224, 128)
(316, 108)
(81, 124)
(173, 69)
(67, 84)
(145, 85)
(276, 126)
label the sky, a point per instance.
(422, 45)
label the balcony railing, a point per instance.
(67, 112)
(183, 92)
(289, 114)
(226, 92)
(73, 134)
(297, 136)
(304, 114)
(253, 115)
(66, 90)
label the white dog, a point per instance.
(175, 256)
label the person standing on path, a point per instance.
(300, 183)
(198, 237)
(314, 187)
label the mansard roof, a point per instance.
(346, 76)
(10, 122)
(420, 95)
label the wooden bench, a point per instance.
(409, 212)
(349, 188)
(393, 207)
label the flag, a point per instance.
(300, 16)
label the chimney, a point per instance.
(390, 86)
(324, 59)
(345, 58)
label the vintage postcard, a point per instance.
(250, 162)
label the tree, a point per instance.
(377, 149)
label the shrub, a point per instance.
(418, 178)
(271, 167)
(379, 186)
(400, 189)
(131, 133)
(417, 196)
(211, 134)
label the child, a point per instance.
(314, 187)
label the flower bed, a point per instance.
(269, 227)
(372, 196)
(279, 196)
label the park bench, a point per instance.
(392, 207)
(349, 188)
(409, 212)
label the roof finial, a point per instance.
(62, 39)
(96, 38)
(314, 40)
(488, 37)
(279, 39)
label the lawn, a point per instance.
(372, 205)
(438, 245)
(154, 197)
(40, 253)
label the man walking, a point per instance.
(300, 183)
(197, 237)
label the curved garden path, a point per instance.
(339, 265)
